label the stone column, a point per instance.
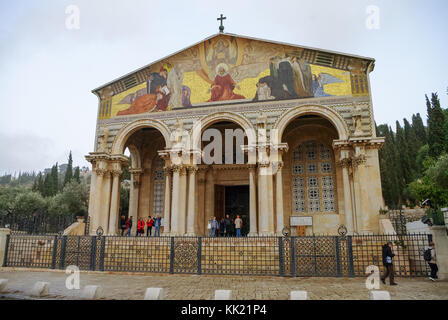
(175, 201)
(279, 198)
(263, 199)
(253, 231)
(345, 164)
(167, 199)
(209, 196)
(107, 186)
(96, 215)
(191, 201)
(182, 200)
(440, 239)
(133, 197)
(115, 202)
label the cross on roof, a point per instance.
(221, 27)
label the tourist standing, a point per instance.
(149, 223)
(433, 262)
(128, 226)
(213, 227)
(123, 224)
(140, 227)
(238, 225)
(228, 226)
(157, 224)
(222, 227)
(387, 262)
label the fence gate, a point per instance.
(77, 251)
(185, 254)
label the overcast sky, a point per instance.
(48, 71)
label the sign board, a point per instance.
(300, 221)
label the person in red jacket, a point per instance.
(149, 223)
(140, 227)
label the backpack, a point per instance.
(427, 255)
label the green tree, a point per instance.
(29, 202)
(419, 128)
(69, 171)
(73, 200)
(76, 175)
(388, 162)
(412, 142)
(404, 161)
(436, 127)
(54, 180)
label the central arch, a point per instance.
(243, 122)
(325, 112)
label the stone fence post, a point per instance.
(4, 232)
(440, 239)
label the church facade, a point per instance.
(282, 135)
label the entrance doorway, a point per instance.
(233, 200)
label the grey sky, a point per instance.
(48, 72)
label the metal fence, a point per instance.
(308, 256)
(36, 224)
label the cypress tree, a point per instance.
(436, 130)
(54, 180)
(76, 176)
(404, 162)
(419, 128)
(388, 162)
(69, 172)
(48, 186)
(413, 144)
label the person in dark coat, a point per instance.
(387, 262)
(123, 224)
(222, 227)
(228, 226)
(128, 226)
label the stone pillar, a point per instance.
(167, 199)
(253, 231)
(209, 196)
(96, 214)
(106, 201)
(265, 225)
(175, 201)
(182, 200)
(279, 199)
(115, 202)
(133, 197)
(345, 164)
(4, 232)
(440, 239)
(191, 201)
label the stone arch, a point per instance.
(125, 132)
(135, 157)
(208, 120)
(325, 112)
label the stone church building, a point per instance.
(299, 122)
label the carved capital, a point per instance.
(100, 172)
(192, 169)
(176, 168)
(116, 173)
(359, 160)
(344, 163)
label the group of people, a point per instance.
(227, 227)
(126, 226)
(388, 255)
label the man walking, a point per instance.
(149, 223)
(157, 224)
(238, 225)
(128, 226)
(433, 262)
(387, 262)
(123, 224)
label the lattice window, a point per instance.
(159, 187)
(313, 178)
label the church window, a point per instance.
(313, 179)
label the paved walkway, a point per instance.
(193, 287)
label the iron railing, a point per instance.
(321, 256)
(37, 223)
